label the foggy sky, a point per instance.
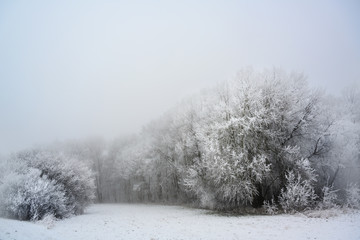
(73, 69)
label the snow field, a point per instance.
(155, 222)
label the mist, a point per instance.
(71, 70)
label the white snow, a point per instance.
(141, 221)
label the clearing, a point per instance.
(142, 221)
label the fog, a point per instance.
(105, 68)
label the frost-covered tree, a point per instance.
(339, 166)
(260, 126)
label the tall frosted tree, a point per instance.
(262, 126)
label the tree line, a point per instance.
(262, 139)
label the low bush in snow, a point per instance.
(39, 184)
(270, 207)
(353, 196)
(28, 196)
(329, 199)
(298, 194)
(74, 176)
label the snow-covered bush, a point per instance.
(75, 177)
(48, 220)
(298, 194)
(353, 196)
(329, 198)
(270, 207)
(27, 196)
(35, 184)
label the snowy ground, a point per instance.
(133, 221)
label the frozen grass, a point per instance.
(140, 221)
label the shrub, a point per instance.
(329, 198)
(298, 194)
(353, 196)
(28, 196)
(73, 175)
(35, 184)
(270, 207)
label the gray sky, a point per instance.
(73, 69)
